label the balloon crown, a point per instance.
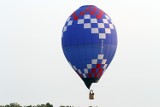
(90, 9)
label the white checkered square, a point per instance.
(69, 23)
(111, 26)
(94, 61)
(89, 66)
(100, 56)
(87, 16)
(94, 30)
(107, 30)
(87, 25)
(68, 19)
(102, 36)
(105, 66)
(84, 75)
(105, 21)
(81, 21)
(74, 67)
(79, 71)
(86, 71)
(101, 25)
(104, 61)
(94, 20)
(69, 63)
(65, 28)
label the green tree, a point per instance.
(49, 105)
(7, 105)
(15, 105)
(43, 105)
(29, 106)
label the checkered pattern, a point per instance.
(68, 23)
(95, 69)
(102, 28)
(80, 72)
(97, 66)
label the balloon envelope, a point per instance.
(89, 42)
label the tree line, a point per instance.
(18, 105)
(39, 105)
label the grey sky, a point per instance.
(33, 69)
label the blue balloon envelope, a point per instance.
(89, 42)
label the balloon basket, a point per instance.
(91, 95)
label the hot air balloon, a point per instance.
(89, 42)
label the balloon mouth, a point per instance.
(88, 81)
(88, 85)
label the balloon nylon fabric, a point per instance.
(89, 42)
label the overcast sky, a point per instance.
(33, 69)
